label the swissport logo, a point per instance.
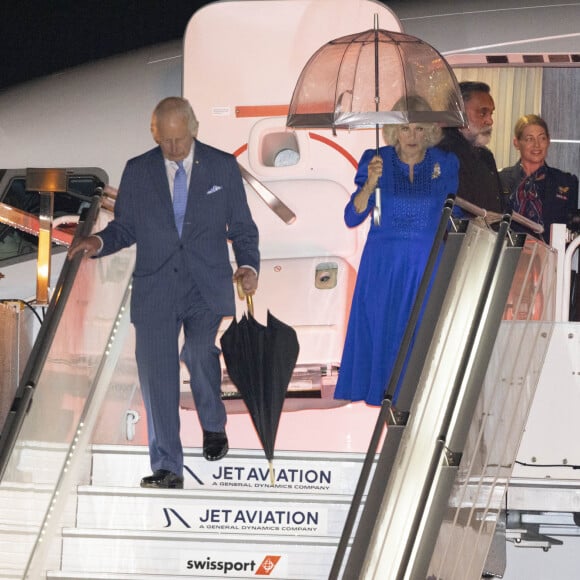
(267, 566)
(238, 564)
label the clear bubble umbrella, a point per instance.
(354, 82)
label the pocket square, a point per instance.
(213, 189)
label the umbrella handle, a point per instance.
(272, 476)
(248, 297)
(377, 210)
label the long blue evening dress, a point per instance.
(391, 267)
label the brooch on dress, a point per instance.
(436, 171)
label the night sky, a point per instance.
(40, 37)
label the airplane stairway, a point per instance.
(233, 518)
(71, 462)
(69, 481)
(228, 521)
(435, 505)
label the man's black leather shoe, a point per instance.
(163, 479)
(215, 445)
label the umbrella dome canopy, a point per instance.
(356, 80)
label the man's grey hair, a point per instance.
(175, 105)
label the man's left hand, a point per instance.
(248, 279)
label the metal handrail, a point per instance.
(568, 256)
(29, 223)
(43, 342)
(268, 197)
(387, 408)
(492, 217)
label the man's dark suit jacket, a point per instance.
(217, 213)
(478, 177)
(560, 199)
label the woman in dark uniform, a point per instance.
(539, 192)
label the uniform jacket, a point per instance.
(560, 198)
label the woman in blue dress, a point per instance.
(415, 179)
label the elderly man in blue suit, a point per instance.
(180, 203)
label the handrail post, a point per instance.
(46, 182)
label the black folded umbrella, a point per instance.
(260, 361)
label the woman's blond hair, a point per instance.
(526, 121)
(433, 131)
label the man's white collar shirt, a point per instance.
(171, 168)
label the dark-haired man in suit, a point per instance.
(478, 176)
(180, 203)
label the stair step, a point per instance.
(209, 512)
(23, 508)
(57, 575)
(241, 470)
(15, 550)
(38, 463)
(228, 518)
(176, 554)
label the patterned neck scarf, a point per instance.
(527, 199)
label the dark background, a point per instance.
(40, 37)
